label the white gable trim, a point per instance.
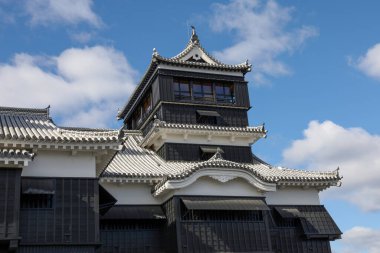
(215, 173)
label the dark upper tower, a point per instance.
(191, 104)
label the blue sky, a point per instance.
(315, 82)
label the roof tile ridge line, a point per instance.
(87, 131)
(193, 40)
(320, 172)
(225, 128)
(243, 64)
(190, 45)
(25, 110)
(219, 64)
(214, 158)
(198, 44)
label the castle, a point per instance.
(180, 176)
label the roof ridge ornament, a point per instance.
(194, 37)
(155, 53)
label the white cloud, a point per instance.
(360, 240)
(327, 145)
(262, 34)
(369, 64)
(44, 12)
(84, 86)
(82, 37)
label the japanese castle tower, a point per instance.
(180, 176)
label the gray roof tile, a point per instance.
(137, 162)
(35, 125)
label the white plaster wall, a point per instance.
(203, 140)
(210, 187)
(61, 164)
(132, 193)
(293, 196)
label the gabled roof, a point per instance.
(137, 163)
(193, 56)
(35, 125)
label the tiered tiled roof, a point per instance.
(35, 125)
(208, 61)
(193, 56)
(34, 129)
(255, 132)
(163, 124)
(135, 162)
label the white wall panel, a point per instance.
(293, 196)
(61, 164)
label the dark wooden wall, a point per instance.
(192, 152)
(10, 180)
(56, 249)
(170, 228)
(166, 88)
(72, 219)
(122, 236)
(224, 236)
(242, 94)
(290, 240)
(187, 114)
(155, 91)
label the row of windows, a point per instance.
(200, 90)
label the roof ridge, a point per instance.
(320, 172)
(212, 127)
(87, 129)
(195, 42)
(25, 110)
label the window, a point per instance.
(136, 119)
(203, 91)
(147, 104)
(207, 117)
(182, 90)
(225, 93)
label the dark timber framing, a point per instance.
(71, 221)
(209, 228)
